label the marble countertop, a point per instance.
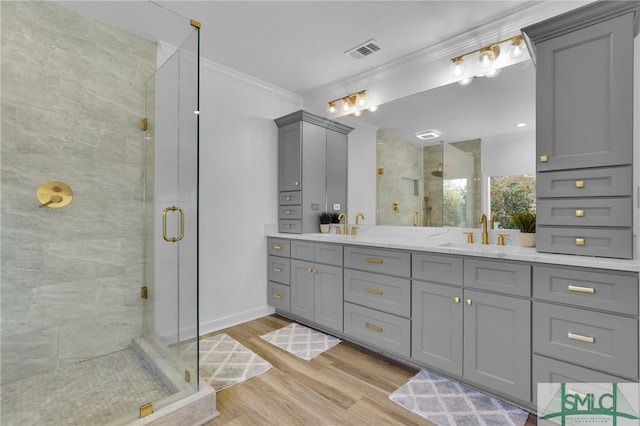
(451, 241)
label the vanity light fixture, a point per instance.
(355, 102)
(485, 59)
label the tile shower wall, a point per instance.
(400, 181)
(72, 97)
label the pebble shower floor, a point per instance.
(97, 391)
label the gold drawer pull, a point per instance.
(544, 158)
(277, 269)
(296, 183)
(581, 338)
(277, 247)
(468, 302)
(374, 327)
(313, 271)
(288, 212)
(579, 213)
(287, 198)
(277, 296)
(288, 226)
(580, 289)
(579, 184)
(374, 291)
(579, 241)
(456, 299)
(373, 260)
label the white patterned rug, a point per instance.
(448, 403)
(225, 362)
(301, 341)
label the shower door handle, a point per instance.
(164, 224)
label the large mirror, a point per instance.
(483, 160)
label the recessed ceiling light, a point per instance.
(520, 124)
(428, 134)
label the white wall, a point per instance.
(361, 191)
(238, 192)
(636, 144)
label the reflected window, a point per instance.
(454, 202)
(509, 195)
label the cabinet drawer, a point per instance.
(290, 212)
(547, 370)
(598, 290)
(505, 277)
(278, 270)
(290, 226)
(375, 260)
(435, 268)
(600, 182)
(330, 254)
(585, 211)
(278, 296)
(603, 242)
(303, 250)
(388, 294)
(290, 198)
(377, 328)
(605, 342)
(279, 247)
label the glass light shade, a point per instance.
(332, 108)
(373, 108)
(465, 81)
(345, 105)
(362, 99)
(457, 67)
(492, 73)
(487, 57)
(358, 113)
(517, 48)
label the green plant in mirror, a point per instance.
(334, 217)
(525, 222)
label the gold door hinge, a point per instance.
(380, 170)
(143, 124)
(187, 376)
(143, 292)
(195, 24)
(146, 409)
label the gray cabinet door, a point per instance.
(290, 158)
(436, 331)
(584, 104)
(303, 289)
(328, 296)
(497, 343)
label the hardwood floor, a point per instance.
(345, 385)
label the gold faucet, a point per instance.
(485, 234)
(358, 217)
(494, 217)
(345, 227)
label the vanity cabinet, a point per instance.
(377, 298)
(312, 170)
(316, 283)
(584, 129)
(585, 325)
(481, 336)
(278, 273)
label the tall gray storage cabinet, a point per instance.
(312, 170)
(584, 130)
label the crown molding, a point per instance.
(469, 40)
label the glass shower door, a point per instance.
(171, 209)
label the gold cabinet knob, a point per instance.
(456, 299)
(296, 183)
(288, 212)
(579, 213)
(579, 241)
(277, 296)
(277, 269)
(468, 302)
(579, 184)
(287, 198)
(288, 226)
(544, 158)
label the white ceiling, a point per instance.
(299, 45)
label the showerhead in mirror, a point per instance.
(437, 172)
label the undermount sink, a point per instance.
(460, 245)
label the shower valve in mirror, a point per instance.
(54, 194)
(395, 207)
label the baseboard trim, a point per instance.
(235, 319)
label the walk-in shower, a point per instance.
(99, 296)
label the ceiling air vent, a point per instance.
(365, 49)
